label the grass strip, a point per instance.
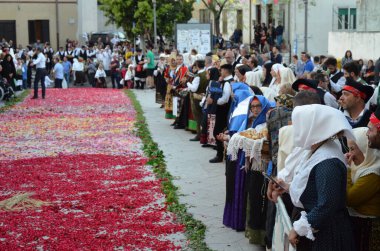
(14, 101)
(195, 229)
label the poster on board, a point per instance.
(194, 36)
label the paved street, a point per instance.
(202, 184)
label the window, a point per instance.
(204, 16)
(347, 19)
(8, 30)
(39, 30)
(225, 22)
(239, 18)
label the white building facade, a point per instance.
(363, 38)
(323, 16)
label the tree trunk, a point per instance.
(142, 42)
(217, 25)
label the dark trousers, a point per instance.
(115, 76)
(58, 83)
(91, 79)
(40, 76)
(220, 125)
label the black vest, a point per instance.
(337, 76)
(61, 55)
(83, 54)
(363, 122)
(321, 94)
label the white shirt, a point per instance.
(193, 86)
(226, 92)
(330, 100)
(374, 97)
(338, 86)
(40, 62)
(100, 73)
(258, 68)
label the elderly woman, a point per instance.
(318, 183)
(235, 210)
(100, 77)
(363, 191)
(78, 69)
(169, 75)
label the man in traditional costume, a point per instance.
(353, 102)
(180, 92)
(198, 89)
(223, 106)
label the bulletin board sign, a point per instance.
(194, 36)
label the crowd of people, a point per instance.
(75, 65)
(319, 118)
(318, 115)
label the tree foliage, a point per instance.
(216, 7)
(125, 13)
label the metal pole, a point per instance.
(155, 25)
(57, 23)
(306, 21)
(250, 21)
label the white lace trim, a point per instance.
(251, 148)
(303, 227)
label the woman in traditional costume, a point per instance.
(169, 75)
(249, 113)
(318, 186)
(363, 192)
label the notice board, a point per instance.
(194, 36)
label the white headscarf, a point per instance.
(314, 124)
(277, 68)
(371, 163)
(254, 78)
(287, 76)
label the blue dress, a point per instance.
(324, 201)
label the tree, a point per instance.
(216, 7)
(136, 16)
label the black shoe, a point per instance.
(207, 145)
(196, 138)
(173, 124)
(216, 160)
(35, 98)
(179, 127)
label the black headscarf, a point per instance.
(214, 74)
(268, 76)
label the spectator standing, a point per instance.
(40, 63)
(58, 73)
(369, 75)
(91, 70)
(279, 33)
(67, 66)
(140, 74)
(317, 64)
(275, 55)
(150, 67)
(115, 72)
(24, 75)
(347, 58)
(309, 66)
(220, 41)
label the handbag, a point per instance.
(197, 96)
(64, 83)
(139, 68)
